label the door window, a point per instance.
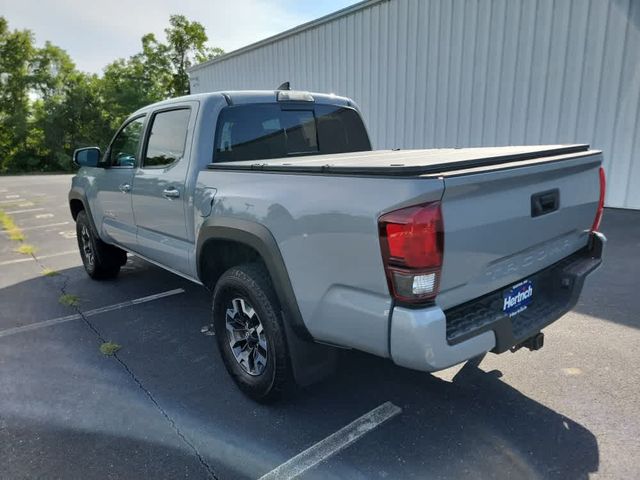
(167, 138)
(124, 148)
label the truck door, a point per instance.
(159, 196)
(114, 184)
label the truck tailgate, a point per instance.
(505, 222)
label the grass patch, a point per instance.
(26, 249)
(109, 348)
(7, 222)
(49, 272)
(69, 300)
(16, 235)
(11, 228)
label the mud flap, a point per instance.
(311, 362)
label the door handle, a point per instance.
(545, 202)
(171, 192)
(125, 188)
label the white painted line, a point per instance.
(26, 204)
(9, 201)
(44, 215)
(89, 313)
(40, 257)
(333, 443)
(13, 212)
(45, 226)
(12, 196)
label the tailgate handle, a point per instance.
(545, 202)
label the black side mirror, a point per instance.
(87, 157)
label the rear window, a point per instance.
(261, 131)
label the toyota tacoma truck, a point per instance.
(310, 241)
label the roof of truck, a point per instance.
(240, 97)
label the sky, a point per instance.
(95, 33)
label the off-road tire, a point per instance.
(252, 283)
(101, 261)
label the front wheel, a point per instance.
(249, 332)
(100, 260)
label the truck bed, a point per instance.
(410, 162)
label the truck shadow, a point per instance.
(474, 426)
(610, 293)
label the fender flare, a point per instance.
(260, 239)
(77, 193)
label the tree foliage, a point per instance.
(48, 108)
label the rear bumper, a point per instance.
(430, 339)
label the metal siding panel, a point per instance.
(434, 73)
(494, 68)
(625, 128)
(411, 48)
(444, 60)
(467, 76)
(480, 73)
(455, 72)
(522, 78)
(609, 97)
(420, 98)
(507, 73)
(433, 69)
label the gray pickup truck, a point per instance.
(311, 242)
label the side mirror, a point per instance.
(87, 157)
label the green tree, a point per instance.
(186, 45)
(16, 50)
(48, 107)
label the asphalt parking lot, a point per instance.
(164, 407)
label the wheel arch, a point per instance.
(77, 203)
(225, 242)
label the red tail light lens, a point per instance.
(412, 243)
(600, 211)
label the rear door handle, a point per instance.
(171, 192)
(125, 188)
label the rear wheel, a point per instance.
(100, 260)
(249, 332)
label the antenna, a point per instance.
(284, 86)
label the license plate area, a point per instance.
(517, 298)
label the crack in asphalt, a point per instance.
(163, 412)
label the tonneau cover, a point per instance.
(403, 162)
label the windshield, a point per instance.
(261, 131)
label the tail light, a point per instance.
(412, 243)
(598, 218)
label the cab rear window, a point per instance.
(262, 131)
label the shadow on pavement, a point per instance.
(475, 426)
(610, 293)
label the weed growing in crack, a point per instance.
(109, 348)
(26, 249)
(69, 300)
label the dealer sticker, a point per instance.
(517, 298)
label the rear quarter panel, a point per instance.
(327, 232)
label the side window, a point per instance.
(167, 138)
(124, 147)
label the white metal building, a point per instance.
(440, 73)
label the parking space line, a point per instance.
(333, 443)
(45, 226)
(39, 257)
(89, 313)
(25, 211)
